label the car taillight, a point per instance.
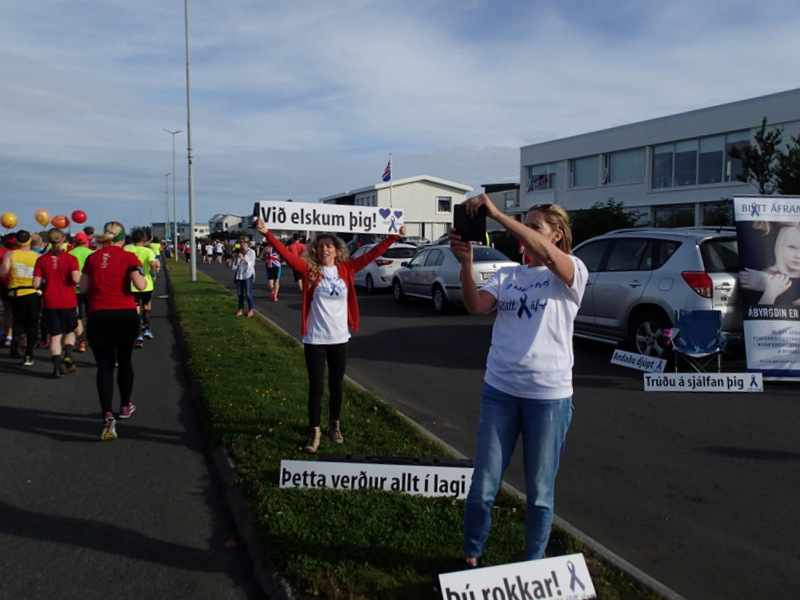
(382, 262)
(699, 281)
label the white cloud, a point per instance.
(305, 99)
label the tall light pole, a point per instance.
(166, 199)
(192, 241)
(174, 201)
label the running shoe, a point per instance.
(127, 410)
(139, 342)
(148, 335)
(69, 365)
(81, 347)
(7, 342)
(28, 362)
(109, 429)
(272, 296)
(249, 313)
(44, 343)
(238, 313)
(58, 373)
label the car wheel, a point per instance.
(440, 303)
(369, 285)
(398, 293)
(646, 333)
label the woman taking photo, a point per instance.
(113, 320)
(244, 267)
(527, 387)
(330, 310)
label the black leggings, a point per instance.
(112, 334)
(25, 311)
(316, 357)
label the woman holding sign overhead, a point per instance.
(527, 388)
(329, 311)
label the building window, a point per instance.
(717, 213)
(584, 172)
(625, 166)
(733, 166)
(674, 216)
(541, 177)
(662, 165)
(686, 163)
(370, 200)
(444, 204)
(509, 199)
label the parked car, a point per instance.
(416, 240)
(378, 273)
(361, 239)
(639, 277)
(435, 273)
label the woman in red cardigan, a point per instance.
(330, 310)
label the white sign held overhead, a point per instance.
(557, 578)
(329, 217)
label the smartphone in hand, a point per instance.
(471, 229)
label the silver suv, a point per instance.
(639, 277)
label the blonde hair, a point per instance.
(56, 238)
(111, 230)
(558, 219)
(780, 241)
(314, 268)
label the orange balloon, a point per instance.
(8, 220)
(60, 221)
(42, 217)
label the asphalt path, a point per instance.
(698, 490)
(142, 517)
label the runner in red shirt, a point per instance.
(60, 273)
(113, 320)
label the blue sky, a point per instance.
(303, 99)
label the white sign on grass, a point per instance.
(703, 382)
(417, 480)
(307, 216)
(557, 578)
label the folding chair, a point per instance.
(697, 339)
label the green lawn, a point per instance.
(358, 545)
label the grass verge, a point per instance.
(356, 545)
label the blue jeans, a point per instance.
(544, 425)
(245, 289)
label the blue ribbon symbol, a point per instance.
(524, 307)
(754, 210)
(334, 290)
(574, 578)
(753, 382)
(392, 226)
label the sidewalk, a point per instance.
(137, 518)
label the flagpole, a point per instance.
(391, 181)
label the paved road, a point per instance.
(137, 518)
(700, 491)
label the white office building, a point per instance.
(675, 169)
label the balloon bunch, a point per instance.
(42, 216)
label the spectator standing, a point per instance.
(527, 388)
(329, 311)
(244, 266)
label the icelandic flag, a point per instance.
(387, 172)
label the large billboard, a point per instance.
(768, 232)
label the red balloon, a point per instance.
(78, 216)
(60, 221)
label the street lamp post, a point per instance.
(174, 201)
(193, 247)
(166, 200)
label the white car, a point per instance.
(435, 274)
(378, 273)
